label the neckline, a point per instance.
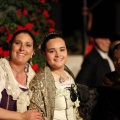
(17, 83)
(60, 78)
(17, 72)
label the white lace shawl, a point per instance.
(7, 82)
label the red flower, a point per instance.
(46, 14)
(2, 29)
(50, 21)
(9, 37)
(36, 32)
(5, 53)
(35, 67)
(25, 12)
(19, 12)
(42, 1)
(29, 26)
(1, 50)
(51, 29)
(20, 28)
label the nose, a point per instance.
(57, 54)
(22, 47)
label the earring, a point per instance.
(31, 61)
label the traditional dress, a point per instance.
(13, 96)
(52, 98)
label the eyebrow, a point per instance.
(54, 48)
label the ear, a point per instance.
(33, 53)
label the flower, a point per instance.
(33, 15)
(35, 68)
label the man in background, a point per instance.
(95, 65)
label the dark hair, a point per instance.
(116, 47)
(22, 31)
(47, 37)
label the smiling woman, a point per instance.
(15, 76)
(55, 82)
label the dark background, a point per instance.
(68, 15)
(69, 18)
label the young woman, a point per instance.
(54, 89)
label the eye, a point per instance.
(17, 42)
(62, 49)
(28, 45)
(51, 51)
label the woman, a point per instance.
(54, 89)
(112, 79)
(15, 76)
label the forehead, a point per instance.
(102, 39)
(24, 36)
(55, 42)
(116, 53)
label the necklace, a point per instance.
(61, 79)
(17, 72)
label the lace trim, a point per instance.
(62, 91)
(22, 97)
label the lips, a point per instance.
(21, 54)
(58, 60)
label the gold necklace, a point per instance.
(17, 72)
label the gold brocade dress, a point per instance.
(52, 99)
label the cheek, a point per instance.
(14, 47)
(30, 52)
(48, 57)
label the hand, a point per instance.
(32, 115)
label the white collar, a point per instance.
(102, 54)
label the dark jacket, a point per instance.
(92, 72)
(93, 69)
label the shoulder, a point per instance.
(69, 71)
(93, 53)
(4, 66)
(93, 56)
(40, 79)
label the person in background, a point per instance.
(95, 65)
(15, 76)
(115, 39)
(108, 105)
(112, 79)
(54, 89)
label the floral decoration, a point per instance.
(33, 15)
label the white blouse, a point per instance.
(64, 107)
